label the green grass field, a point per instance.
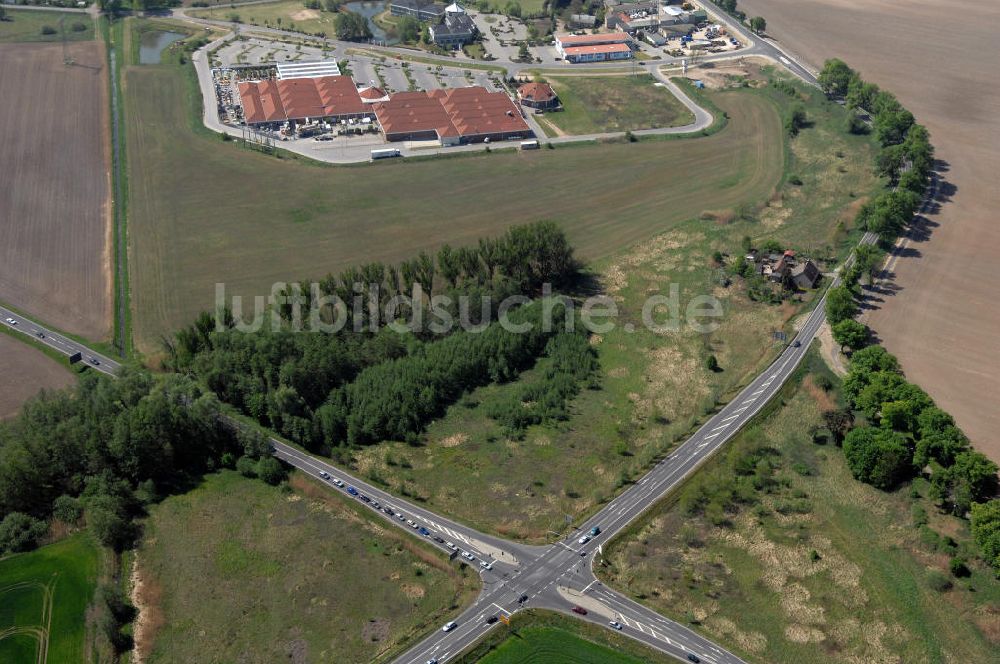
(544, 637)
(44, 597)
(287, 15)
(236, 570)
(822, 569)
(203, 211)
(25, 25)
(544, 645)
(598, 104)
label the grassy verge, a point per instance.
(550, 638)
(599, 104)
(26, 25)
(49, 590)
(295, 573)
(774, 550)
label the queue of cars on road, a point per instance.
(389, 511)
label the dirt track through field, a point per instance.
(940, 315)
(54, 186)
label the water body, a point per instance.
(152, 44)
(369, 10)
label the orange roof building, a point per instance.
(457, 115)
(537, 95)
(594, 48)
(326, 97)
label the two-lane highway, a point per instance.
(59, 342)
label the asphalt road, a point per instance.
(49, 337)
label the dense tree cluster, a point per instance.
(350, 26)
(909, 434)
(394, 400)
(571, 362)
(985, 525)
(308, 386)
(104, 449)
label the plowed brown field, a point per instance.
(941, 316)
(54, 185)
(25, 371)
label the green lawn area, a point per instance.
(293, 574)
(598, 104)
(545, 637)
(25, 25)
(544, 645)
(46, 593)
(816, 568)
(206, 212)
(287, 15)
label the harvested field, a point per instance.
(54, 185)
(939, 315)
(205, 212)
(25, 371)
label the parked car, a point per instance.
(579, 609)
(448, 626)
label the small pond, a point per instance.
(152, 44)
(370, 10)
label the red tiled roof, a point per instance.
(535, 91)
(468, 111)
(599, 48)
(372, 93)
(584, 40)
(299, 98)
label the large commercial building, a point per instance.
(453, 116)
(594, 48)
(274, 102)
(456, 30)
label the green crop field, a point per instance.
(25, 25)
(296, 575)
(204, 211)
(44, 597)
(598, 104)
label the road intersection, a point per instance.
(559, 576)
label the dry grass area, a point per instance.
(295, 575)
(54, 185)
(812, 566)
(941, 321)
(25, 371)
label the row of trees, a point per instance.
(909, 434)
(907, 156)
(102, 451)
(283, 378)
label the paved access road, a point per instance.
(65, 345)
